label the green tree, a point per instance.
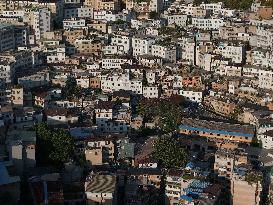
(169, 153)
(170, 116)
(256, 143)
(44, 145)
(63, 146)
(54, 146)
(232, 4)
(166, 114)
(153, 15)
(71, 89)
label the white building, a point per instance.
(149, 61)
(40, 21)
(214, 7)
(36, 80)
(124, 43)
(142, 45)
(83, 81)
(250, 71)
(58, 56)
(266, 79)
(167, 53)
(236, 53)
(207, 23)
(156, 5)
(111, 50)
(191, 95)
(188, 50)
(150, 92)
(115, 82)
(262, 57)
(177, 19)
(115, 62)
(173, 187)
(264, 37)
(73, 23)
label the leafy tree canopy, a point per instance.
(232, 4)
(166, 114)
(54, 146)
(71, 89)
(169, 153)
(153, 15)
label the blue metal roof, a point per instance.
(215, 131)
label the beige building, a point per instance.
(17, 96)
(112, 5)
(95, 156)
(243, 192)
(220, 106)
(72, 34)
(199, 12)
(22, 150)
(88, 46)
(100, 26)
(231, 32)
(225, 160)
(105, 144)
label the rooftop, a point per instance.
(217, 127)
(100, 184)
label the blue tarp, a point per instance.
(190, 165)
(186, 198)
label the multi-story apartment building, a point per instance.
(151, 92)
(88, 46)
(177, 19)
(115, 82)
(142, 45)
(192, 95)
(207, 23)
(167, 53)
(74, 23)
(57, 55)
(236, 52)
(40, 20)
(265, 78)
(149, 61)
(217, 130)
(7, 37)
(188, 49)
(22, 149)
(38, 79)
(226, 160)
(123, 43)
(115, 62)
(174, 182)
(13, 63)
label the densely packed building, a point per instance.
(88, 88)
